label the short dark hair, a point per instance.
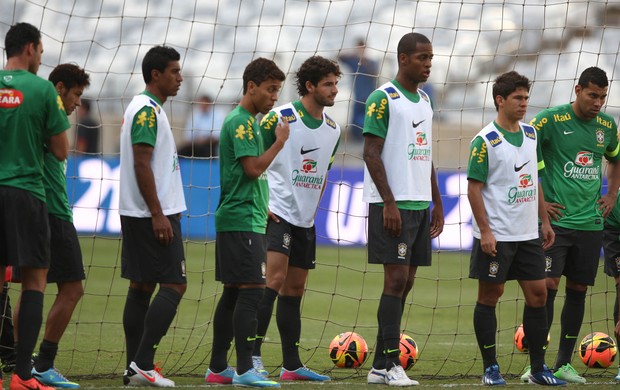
(594, 75)
(507, 83)
(314, 69)
(409, 42)
(158, 58)
(18, 36)
(259, 70)
(71, 76)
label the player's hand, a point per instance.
(437, 221)
(548, 236)
(162, 229)
(391, 219)
(606, 204)
(554, 210)
(282, 130)
(272, 216)
(488, 243)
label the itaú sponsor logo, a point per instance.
(573, 171)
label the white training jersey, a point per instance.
(407, 150)
(510, 193)
(164, 163)
(299, 172)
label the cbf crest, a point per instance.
(402, 250)
(286, 240)
(493, 268)
(617, 261)
(600, 136)
(548, 263)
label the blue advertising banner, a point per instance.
(93, 188)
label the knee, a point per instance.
(395, 285)
(74, 292)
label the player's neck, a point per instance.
(16, 63)
(312, 107)
(155, 92)
(509, 125)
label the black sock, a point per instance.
(158, 318)
(616, 304)
(288, 317)
(263, 316)
(223, 329)
(390, 312)
(571, 319)
(136, 306)
(485, 327)
(47, 355)
(549, 305)
(30, 320)
(379, 359)
(536, 330)
(244, 325)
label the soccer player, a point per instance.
(506, 201)
(399, 183)
(293, 202)
(151, 203)
(240, 224)
(31, 116)
(611, 248)
(573, 138)
(66, 267)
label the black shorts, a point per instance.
(240, 257)
(66, 256)
(144, 259)
(412, 247)
(24, 229)
(611, 248)
(575, 254)
(521, 260)
(298, 243)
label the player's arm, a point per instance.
(437, 219)
(548, 235)
(487, 238)
(58, 146)
(254, 166)
(612, 154)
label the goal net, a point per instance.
(549, 41)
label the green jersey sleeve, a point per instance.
(478, 166)
(377, 114)
(245, 143)
(612, 153)
(57, 120)
(268, 128)
(144, 127)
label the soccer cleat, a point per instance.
(139, 377)
(569, 374)
(396, 377)
(302, 374)
(54, 378)
(525, 378)
(253, 378)
(376, 377)
(617, 378)
(18, 383)
(224, 377)
(545, 378)
(257, 362)
(125, 378)
(492, 377)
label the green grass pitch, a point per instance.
(342, 295)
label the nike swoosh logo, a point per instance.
(308, 150)
(387, 351)
(568, 132)
(517, 169)
(148, 377)
(251, 338)
(417, 124)
(569, 337)
(488, 346)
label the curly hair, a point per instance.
(314, 69)
(71, 76)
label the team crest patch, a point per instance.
(617, 260)
(548, 263)
(183, 268)
(286, 240)
(493, 268)
(600, 136)
(263, 269)
(402, 249)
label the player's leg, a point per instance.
(611, 247)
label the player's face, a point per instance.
(590, 100)
(417, 65)
(514, 106)
(326, 90)
(71, 98)
(265, 95)
(170, 80)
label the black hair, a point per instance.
(314, 69)
(158, 58)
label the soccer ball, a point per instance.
(408, 351)
(598, 350)
(521, 341)
(348, 350)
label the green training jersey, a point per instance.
(243, 201)
(30, 112)
(55, 184)
(573, 151)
